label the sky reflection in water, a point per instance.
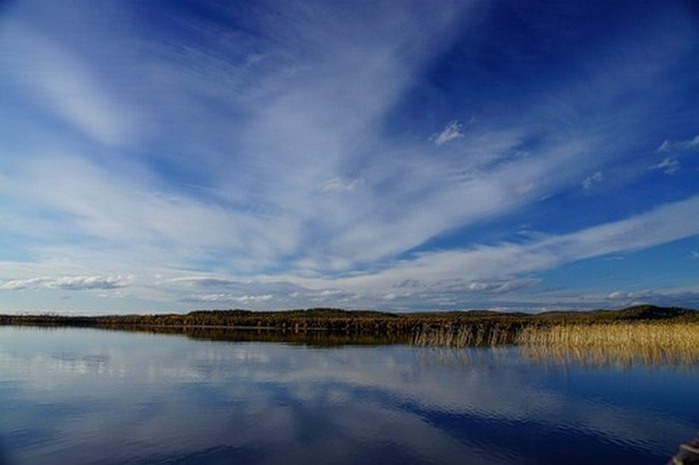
(88, 396)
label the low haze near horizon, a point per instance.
(393, 155)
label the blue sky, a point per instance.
(395, 155)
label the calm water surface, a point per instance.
(81, 396)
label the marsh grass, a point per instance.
(641, 334)
(466, 335)
(615, 344)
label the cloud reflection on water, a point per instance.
(83, 396)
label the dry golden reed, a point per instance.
(619, 344)
(470, 335)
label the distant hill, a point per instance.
(301, 313)
(339, 319)
(634, 313)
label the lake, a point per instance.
(88, 396)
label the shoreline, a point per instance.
(456, 329)
(649, 336)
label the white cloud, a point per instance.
(240, 299)
(487, 267)
(61, 82)
(664, 147)
(491, 272)
(329, 295)
(668, 166)
(618, 295)
(524, 189)
(453, 130)
(594, 178)
(649, 229)
(679, 146)
(253, 298)
(203, 281)
(243, 198)
(630, 296)
(340, 185)
(670, 297)
(71, 283)
(293, 140)
(500, 286)
(89, 203)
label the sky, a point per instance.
(398, 155)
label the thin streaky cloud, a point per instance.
(340, 185)
(329, 153)
(70, 283)
(453, 130)
(509, 259)
(58, 80)
(590, 181)
(680, 145)
(669, 166)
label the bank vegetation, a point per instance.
(639, 327)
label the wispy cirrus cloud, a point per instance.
(496, 266)
(689, 144)
(669, 165)
(630, 296)
(58, 80)
(340, 185)
(228, 298)
(452, 131)
(500, 286)
(288, 158)
(679, 298)
(68, 283)
(591, 180)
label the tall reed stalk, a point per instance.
(466, 335)
(621, 344)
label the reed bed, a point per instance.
(619, 344)
(467, 335)
(640, 334)
(614, 344)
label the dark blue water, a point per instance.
(80, 396)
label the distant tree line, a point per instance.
(476, 327)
